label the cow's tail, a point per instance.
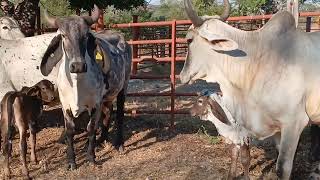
(10, 111)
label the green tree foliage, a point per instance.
(174, 9)
(88, 4)
(113, 15)
(58, 8)
(249, 7)
(255, 7)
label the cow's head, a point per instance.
(200, 107)
(73, 41)
(43, 90)
(10, 29)
(207, 39)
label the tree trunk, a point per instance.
(26, 13)
(7, 7)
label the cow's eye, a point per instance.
(5, 27)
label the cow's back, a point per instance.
(21, 59)
(120, 55)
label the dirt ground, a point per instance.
(193, 150)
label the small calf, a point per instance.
(210, 107)
(22, 109)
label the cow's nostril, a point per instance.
(84, 67)
(78, 67)
(72, 67)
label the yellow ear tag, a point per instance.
(98, 56)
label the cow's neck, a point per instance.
(235, 75)
(236, 72)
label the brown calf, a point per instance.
(22, 109)
(205, 105)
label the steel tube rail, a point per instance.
(184, 22)
(140, 94)
(161, 59)
(134, 112)
(173, 70)
(159, 41)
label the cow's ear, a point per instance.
(218, 42)
(52, 55)
(33, 91)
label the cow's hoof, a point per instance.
(271, 176)
(243, 178)
(72, 166)
(27, 178)
(100, 141)
(92, 160)
(2, 158)
(7, 173)
(34, 162)
(120, 149)
(61, 141)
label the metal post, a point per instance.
(173, 71)
(308, 24)
(100, 23)
(135, 34)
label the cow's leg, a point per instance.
(277, 139)
(107, 109)
(245, 159)
(32, 140)
(6, 151)
(233, 166)
(62, 139)
(70, 130)
(315, 143)
(23, 151)
(94, 120)
(290, 135)
(119, 121)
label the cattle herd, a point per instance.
(269, 80)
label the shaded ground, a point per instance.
(152, 151)
(192, 151)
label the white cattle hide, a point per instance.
(20, 60)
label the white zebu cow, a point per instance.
(21, 60)
(270, 78)
(19, 56)
(9, 28)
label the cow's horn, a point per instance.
(94, 17)
(195, 19)
(226, 13)
(50, 20)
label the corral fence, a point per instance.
(163, 42)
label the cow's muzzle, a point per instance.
(78, 67)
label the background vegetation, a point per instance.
(121, 11)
